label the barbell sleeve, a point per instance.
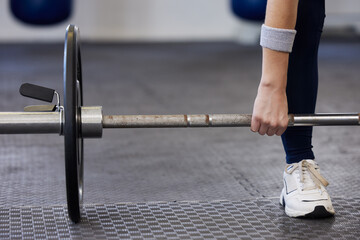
(220, 120)
(30, 122)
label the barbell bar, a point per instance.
(76, 122)
(93, 121)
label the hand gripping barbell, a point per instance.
(75, 121)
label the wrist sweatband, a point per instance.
(277, 39)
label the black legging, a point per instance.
(303, 77)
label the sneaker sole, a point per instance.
(319, 212)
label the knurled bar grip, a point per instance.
(220, 120)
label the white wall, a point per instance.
(131, 19)
(148, 20)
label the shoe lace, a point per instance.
(307, 169)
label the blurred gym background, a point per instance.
(159, 20)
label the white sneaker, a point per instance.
(304, 193)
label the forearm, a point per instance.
(279, 14)
(274, 69)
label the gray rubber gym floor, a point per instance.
(173, 183)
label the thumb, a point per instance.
(255, 124)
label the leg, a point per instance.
(303, 196)
(302, 81)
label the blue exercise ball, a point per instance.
(41, 12)
(253, 10)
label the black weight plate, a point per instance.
(72, 123)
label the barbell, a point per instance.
(76, 122)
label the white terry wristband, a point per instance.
(277, 39)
